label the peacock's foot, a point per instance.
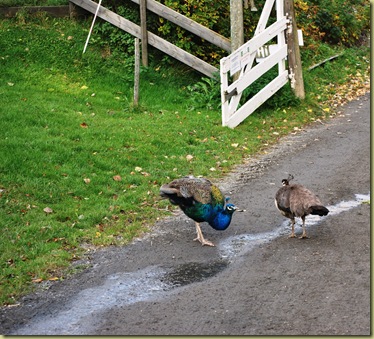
(303, 236)
(204, 242)
(292, 235)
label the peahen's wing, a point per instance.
(282, 199)
(301, 199)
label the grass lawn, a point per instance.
(81, 164)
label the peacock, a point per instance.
(297, 201)
(201, 201)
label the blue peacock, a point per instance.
(201, 201)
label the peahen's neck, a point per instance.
(221, 220)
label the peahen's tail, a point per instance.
(319, 210)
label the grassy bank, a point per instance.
(81, 164)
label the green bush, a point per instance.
(338, 22)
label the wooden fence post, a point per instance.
(136, 73)
(144, 33)
(294, 59)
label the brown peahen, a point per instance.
(201, 201)
(295, 200)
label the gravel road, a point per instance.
(256, 281)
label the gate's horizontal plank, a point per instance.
(260, 69)
(256, 42)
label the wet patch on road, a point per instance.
(193, 272)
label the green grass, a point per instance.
(69, 128)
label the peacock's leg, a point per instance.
(292, 229)
(304, 236)
(200, 237)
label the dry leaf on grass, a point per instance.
(48, 210)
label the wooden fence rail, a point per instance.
(188, 24)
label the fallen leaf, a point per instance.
(13, 305)
(138, 169)
(84, 87)
(87, 180)
(39, 280)
(189, 157)
(48, 210)
(83, 125)
(117, 178)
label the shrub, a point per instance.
(338, 22)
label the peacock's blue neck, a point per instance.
(221, 220)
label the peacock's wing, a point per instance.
(203, 191)
(188, 189)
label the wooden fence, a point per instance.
(159, 43)
(240, 61)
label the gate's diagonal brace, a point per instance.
(229, 95)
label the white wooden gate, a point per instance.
(241, 61)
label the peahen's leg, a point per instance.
(200, 237)
(292, 228)
(304, 236)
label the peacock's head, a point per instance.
(231, 208)
(222, 219)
